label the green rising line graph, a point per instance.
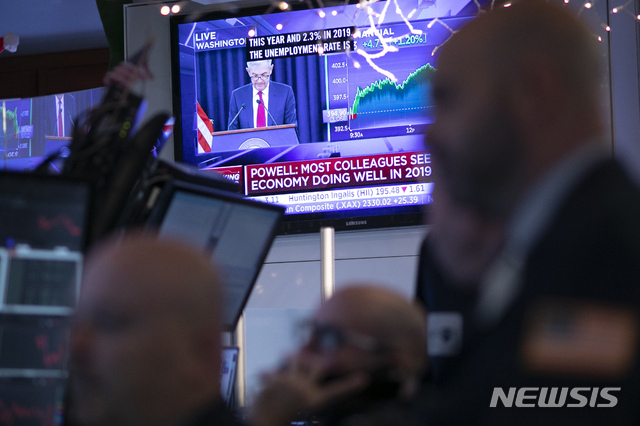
(384, 101)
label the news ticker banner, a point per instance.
(413, 194)
(341, 172)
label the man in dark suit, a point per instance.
(530, 272)
(262, 102)
(60, 115)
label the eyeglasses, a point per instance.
(263, 76)
(329, 338)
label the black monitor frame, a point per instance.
(161, 208)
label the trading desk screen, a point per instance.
(43, 212)
(43, 223)
(31, 402)
(237, 234)
(33, 342)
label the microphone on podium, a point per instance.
(266, 109)
(236, 116)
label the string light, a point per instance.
(389, 42)
(251, 33)
(614, 10)
(165, 10)
(175, 8)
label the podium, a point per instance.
(260, 137)
(57, 144)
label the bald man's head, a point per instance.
(170, 273)
(370, 330)
(383, 314)
(147, 323)
(516, 91)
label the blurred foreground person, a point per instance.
(361, 362)
(145, 344)
(530, 272)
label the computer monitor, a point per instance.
(236, 232)
(44, 222)
(28, 401)
(34, 345)
(44, 211)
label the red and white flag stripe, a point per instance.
(205, 131)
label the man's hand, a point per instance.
(298, 388)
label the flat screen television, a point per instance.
(32, 129)
(235, 232)
(346, 113)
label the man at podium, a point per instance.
(60, 113)
(262, 102)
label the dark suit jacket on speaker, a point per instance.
(281, 105)
(584, 270)
(51, 116)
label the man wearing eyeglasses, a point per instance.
(263, 102)
(361, 358)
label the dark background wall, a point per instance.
(46, 74)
